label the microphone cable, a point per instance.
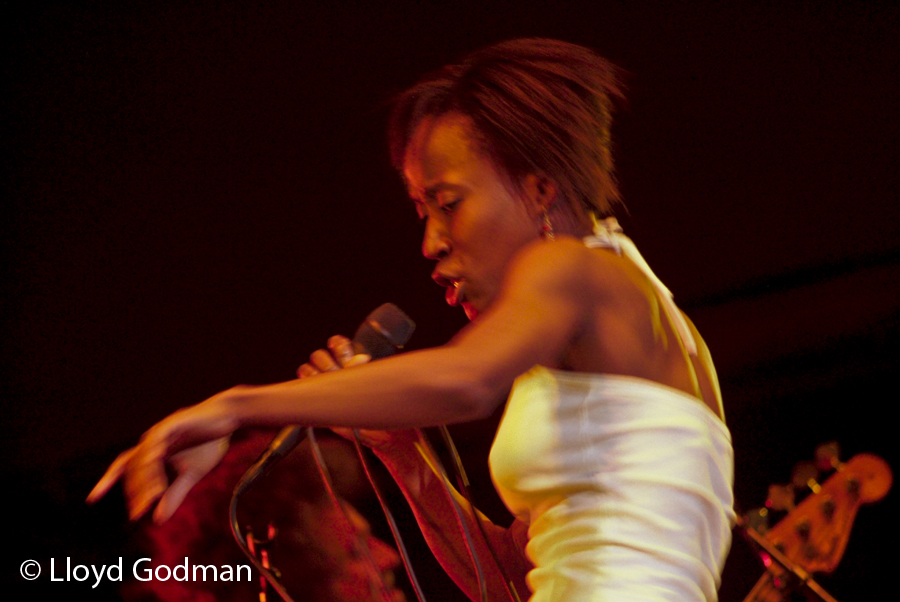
(375, 573)
(463, 481)
(242, 544)
(458, 511)
(392, 523)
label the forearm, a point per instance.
(421, 388)
(413, 467)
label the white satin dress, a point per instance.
(626, 484)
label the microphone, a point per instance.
(384, 332)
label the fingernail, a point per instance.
(358, 360)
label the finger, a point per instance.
(174, 495)
(109, 478)
(145, 480)
(341, 348)
(323, 361)
(306, 370)
(192, 465)
(346, 433)
(140, 501)
(358, 360)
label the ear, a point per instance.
(540, 193)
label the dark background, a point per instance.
(199, 194)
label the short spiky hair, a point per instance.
(538, 106)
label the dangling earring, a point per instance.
(547, 227)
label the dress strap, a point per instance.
(608, 234)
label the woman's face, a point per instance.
(475, 220)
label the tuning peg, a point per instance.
(781, 497)
(758, 520)
(805, 475)
(828, 456)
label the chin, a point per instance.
(470, 310)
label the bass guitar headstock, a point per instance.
(813, 535)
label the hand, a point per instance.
(192, 441)
(340, 354)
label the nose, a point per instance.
(435, 241)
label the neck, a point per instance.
(567, 221)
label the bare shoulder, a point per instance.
(566, 264)
(609, 299)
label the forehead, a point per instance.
(441, 148)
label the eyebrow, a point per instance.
(432, 191)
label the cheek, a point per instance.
(480, 226)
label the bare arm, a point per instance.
(536, 315)
(542, 306)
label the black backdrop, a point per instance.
(199, 194)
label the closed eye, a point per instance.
(450, 207)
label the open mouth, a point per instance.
(456, 293)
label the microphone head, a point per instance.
(384, 332)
